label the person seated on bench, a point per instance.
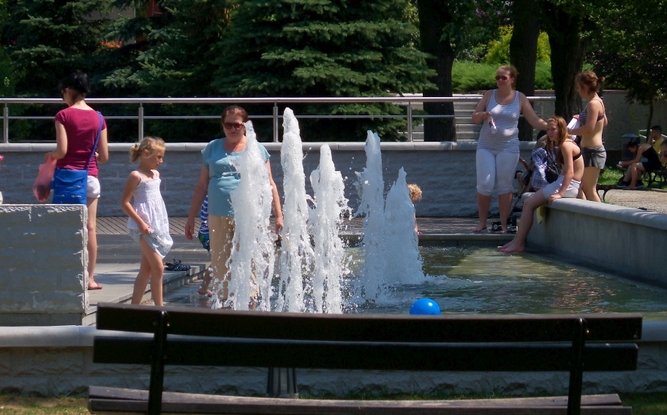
(567, 184)
(655, 138)
(646, 159)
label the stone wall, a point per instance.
(620, 240)
(445, 171)
(44, 256)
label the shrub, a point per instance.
(470, 77)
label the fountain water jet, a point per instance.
(312, 261)
(391, 248)
(252, 260)
(371, 190)
(296, 253)
(331, 262)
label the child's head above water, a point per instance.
(415, 192)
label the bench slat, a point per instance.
(364, 327)
(132, 400)
(348, 355)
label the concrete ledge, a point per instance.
(625, 241)
(43, 252)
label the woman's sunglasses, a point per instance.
(231, 125)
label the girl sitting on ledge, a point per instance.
(567, 184)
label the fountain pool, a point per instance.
(481, 280)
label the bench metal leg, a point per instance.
(577, 369)
(281, 383)
(157, 365)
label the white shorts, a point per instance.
(93, 188)
(552, 188)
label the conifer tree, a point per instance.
(331, 48)
(47, 39)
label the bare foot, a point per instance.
(502, 247)
(511, 247)
(479, 229)
(92, 285)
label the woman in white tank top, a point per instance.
(498, 145)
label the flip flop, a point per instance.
(482, 230)
(97, 286)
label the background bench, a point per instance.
(514, 343)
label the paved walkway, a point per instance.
(118, 256)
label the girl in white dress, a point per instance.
(148, 222)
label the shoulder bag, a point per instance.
(71, 186)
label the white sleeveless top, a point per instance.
(506, 118)
(147, 201)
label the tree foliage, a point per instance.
(635, 48)
(45, 40)
(331, 48)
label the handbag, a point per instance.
(70, 186)
(41, 188)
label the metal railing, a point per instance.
(409, 101)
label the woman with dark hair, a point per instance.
(592, 121)
(77, 129)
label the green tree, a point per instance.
(168, 48)
(568, 24)
(332, 48)
(46, 39)
(442, 37)
(523, 50)
(635, 49)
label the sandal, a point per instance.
(176, 266)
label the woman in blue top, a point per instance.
(217, 178)
(498, 145)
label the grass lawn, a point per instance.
(642, 404)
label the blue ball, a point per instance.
(425, 306)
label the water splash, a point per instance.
(371, 206)
(252, 260)
(403, 263)
(313, 264)
(296, 253)
(331, 264)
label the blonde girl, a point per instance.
(148, 223)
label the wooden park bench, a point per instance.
(486, 343)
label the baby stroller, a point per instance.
(541, 170)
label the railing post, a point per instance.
(410, 137)
(5, 124)
(275, 122)
(141, 122)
